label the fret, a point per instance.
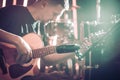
(43, 51)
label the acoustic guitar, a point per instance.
(11, 70)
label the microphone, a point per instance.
(67, 48)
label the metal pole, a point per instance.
(74, 9)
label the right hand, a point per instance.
(24, 51)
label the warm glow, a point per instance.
(77, 68)
(14, 2)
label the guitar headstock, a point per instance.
(90, 40)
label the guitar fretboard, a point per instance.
(43, 51)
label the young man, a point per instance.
(17, 21)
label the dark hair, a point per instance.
(56, 2)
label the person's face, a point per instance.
(52, 13)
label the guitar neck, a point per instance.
(41, 52)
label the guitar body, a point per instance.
(16, 71)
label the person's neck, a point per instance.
(33, 12)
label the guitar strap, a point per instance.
(2, 63)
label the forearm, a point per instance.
(20, 44)
(57, 58)
(9, 37)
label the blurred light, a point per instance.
(4, 3)
(77, 68)
(98, 9)
(38, 63)
(25, 3)
(14, 2)
(69, 63)
(53, 40)
(66, 5)
(58, 17)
